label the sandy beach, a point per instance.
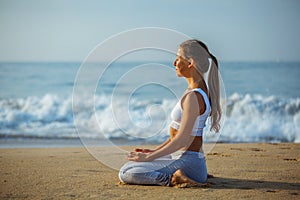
(241, 171)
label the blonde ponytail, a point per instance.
(214, 94)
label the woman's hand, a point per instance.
(138, 157)
(144, 150)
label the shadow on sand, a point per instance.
(230, 183)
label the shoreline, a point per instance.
(25, 143)
(20, 143)
(243, 170)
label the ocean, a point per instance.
(131, 103)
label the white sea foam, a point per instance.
(257, 118)
(250, 118)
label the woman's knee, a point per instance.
(131, 176)
(128, 171)
(123, 177)
(123, 173)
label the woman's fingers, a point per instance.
(136, 156)
(132, 158)
(133, 155)
(138, 150)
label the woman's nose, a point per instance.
(175, 62)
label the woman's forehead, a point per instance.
(179, 52)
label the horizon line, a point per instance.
(127, 61)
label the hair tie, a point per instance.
(205, 75)
(210, 62)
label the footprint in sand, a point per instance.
(251, 149)
(237, 149)
(218, 154)
(256, 149)
(273, 191)
(214, 154)
(292, 159)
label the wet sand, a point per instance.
(241, 171)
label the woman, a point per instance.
(155, 167)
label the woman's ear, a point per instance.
(192, 62)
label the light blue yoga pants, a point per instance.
(160, 171)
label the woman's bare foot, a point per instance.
(179, 179)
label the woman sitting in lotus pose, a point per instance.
(156, 167)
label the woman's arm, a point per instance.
(150, 150)
(182, 139)
(163, 144)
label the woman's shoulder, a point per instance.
(192, 97)
(197, 92)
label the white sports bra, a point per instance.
(201, 119)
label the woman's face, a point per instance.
(181, 65)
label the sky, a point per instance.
(68, 30)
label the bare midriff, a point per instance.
(196, 144)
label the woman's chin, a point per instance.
(178, 74)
